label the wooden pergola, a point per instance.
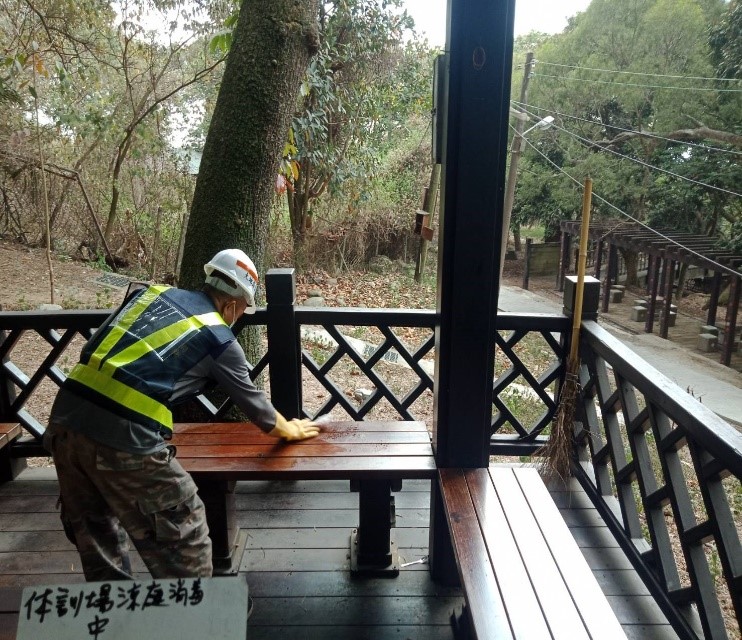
(666, 250)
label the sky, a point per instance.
(549, 16)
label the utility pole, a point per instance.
(429, 202)
(515, 150)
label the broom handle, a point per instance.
(587, 197)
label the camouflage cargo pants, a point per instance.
(106, 493)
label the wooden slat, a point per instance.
(250, 437)
(561, 612)
(30, 579)
(33, 541)
(313, 450)
(9, 431)
(352, 611)
(375, 632)
(41, 562)
(524, 611)
(30, 521)
(293, 518)
(486, 608)
(597, 614)
(403, 500)
(318, 468)
(326, 538)
(25, 504)
(300, 584)
(366, 426)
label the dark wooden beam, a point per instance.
(480, 39)
(476, 98)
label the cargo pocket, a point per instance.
(108, 459)
(172, 512)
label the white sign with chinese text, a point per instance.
(165, 609)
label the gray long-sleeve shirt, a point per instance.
(229, 369)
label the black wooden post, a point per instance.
(219, 499)
(667, 302)
(590, 297)
(598, 258)
(566, 248)
(610, 276)
(714, 299)
(284, 346)
(651, 272)
(477, 93)
(527, 264)
(654, 284)
(735, 285)
(7, 391)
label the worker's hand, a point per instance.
(294, 429)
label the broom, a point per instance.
(557, 453)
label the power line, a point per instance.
(590, 143)
(643, 134)
(635, 84)
(636, 73)
(722, 268)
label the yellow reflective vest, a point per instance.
(131, 364)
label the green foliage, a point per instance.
(107, 85)
(628, 66)
(358, 93)
(725, 41)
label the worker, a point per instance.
(111, 421)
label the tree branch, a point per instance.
(698, 134)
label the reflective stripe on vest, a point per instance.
(98, 373)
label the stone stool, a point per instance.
(639, 313)
(707, 342)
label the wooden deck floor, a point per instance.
(297, 562)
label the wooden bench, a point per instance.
(521, 571)
(374, 456)
(9, 431)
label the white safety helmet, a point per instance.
(234, 264)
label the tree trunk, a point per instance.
(299, 201)
(516, 238)
(631, 261)
(272, 44)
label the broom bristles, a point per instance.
(555, 464)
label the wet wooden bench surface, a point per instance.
(376, 456)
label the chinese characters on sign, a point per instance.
(181, 607)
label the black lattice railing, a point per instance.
(525, 399)
(673, 469)
(31, 347)
(377, 347)
(391, 360)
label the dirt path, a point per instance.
(25, 281)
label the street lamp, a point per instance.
(545, 123)
(519, 143)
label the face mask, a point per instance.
(234, 314)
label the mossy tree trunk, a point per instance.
(273, 42)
